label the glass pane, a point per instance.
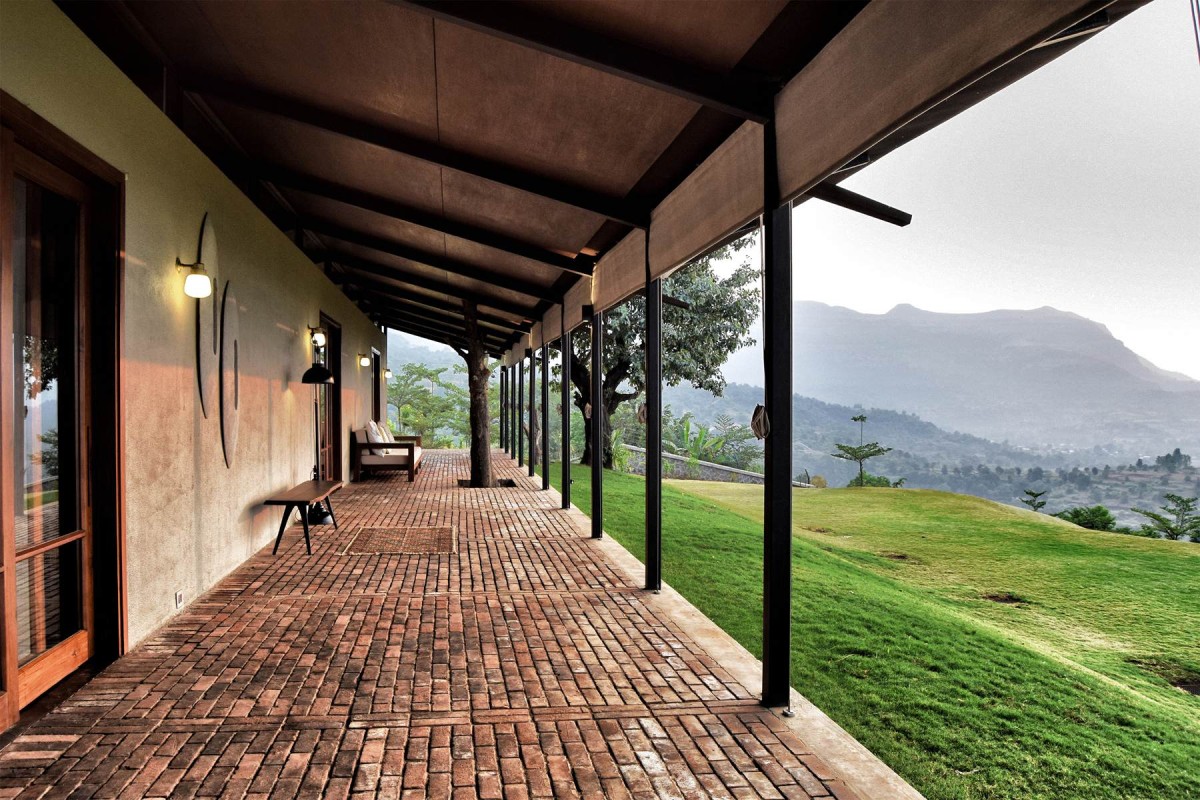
(44, 321)
(48, 600)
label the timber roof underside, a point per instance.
(431, 154)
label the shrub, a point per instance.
(819, 482)
(1095, 518)
(870, 480)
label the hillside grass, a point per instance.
(1060, 695)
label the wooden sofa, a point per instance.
(403, 453)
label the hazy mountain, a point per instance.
(1030, 377)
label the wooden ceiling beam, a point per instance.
(282, 176)
(425, 302)
(614, 208)
(355, 263)
(739, 96)
(416, 255)
(435, 316)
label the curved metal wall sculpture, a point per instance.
(208, 329)
(230, 376)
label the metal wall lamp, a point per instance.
(197, 284)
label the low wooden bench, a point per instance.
(301, 498)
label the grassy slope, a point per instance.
(964, 697)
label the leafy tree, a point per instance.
(696, 340)
(1173, 462)
(860, 454)
(1033, 500)
(1177, 520)
(1095, 518)
(426, 404)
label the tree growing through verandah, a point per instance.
(696, 339)
(479, 373)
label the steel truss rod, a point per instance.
(616, 209)
(745, 98)
(310, 184)
(836, 195)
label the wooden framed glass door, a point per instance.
(48, 609)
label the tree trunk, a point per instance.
(481, 418)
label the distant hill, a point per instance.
(818, 425)
(1040, 377)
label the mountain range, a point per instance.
(1042, 378)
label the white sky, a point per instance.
(1078, 187)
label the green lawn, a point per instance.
(1057, 696)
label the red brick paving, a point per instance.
(523, 665)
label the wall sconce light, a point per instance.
(364, 360)
(197, 284)
(387, 373)
(317, 335)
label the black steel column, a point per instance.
(512, 409)
(520, 410)
(777, 511)
(596, 429)
(653, 468)
(532, 354)
(503, 406)
(565, 411)
(545, 415)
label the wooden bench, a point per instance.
(301, 498)
(404, 453)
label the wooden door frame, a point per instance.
(333, 363)
(102, 243)
(378, 405)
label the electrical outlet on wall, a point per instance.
(179, 600)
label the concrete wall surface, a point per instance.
(189, 518)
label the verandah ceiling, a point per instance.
(434, 153)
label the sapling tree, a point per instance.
(860, 454)
(1034, 499)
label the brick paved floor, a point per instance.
(524, 665)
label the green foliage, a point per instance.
(1095, 518)
(819, 482)
(1177, 520)
(696, 340)
(48, 456)
(429, 405)
(620, 454)
(1033, 499)
(867, 479)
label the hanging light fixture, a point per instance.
(364, 360)
(197, 284)
(317, 335)
(387, 373)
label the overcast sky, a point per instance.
(1077, 187)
